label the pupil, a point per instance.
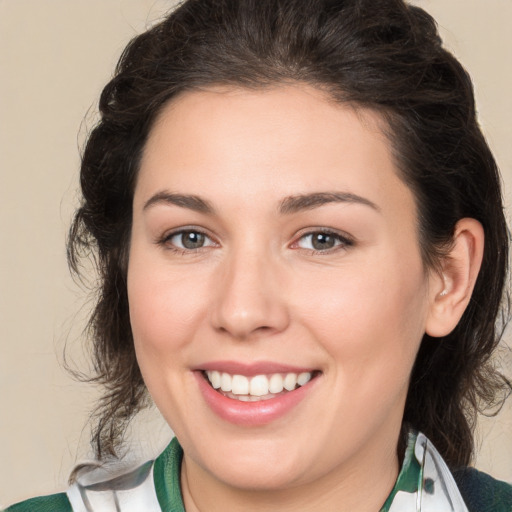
(192, 240)
(323, 241)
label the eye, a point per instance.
(189, 239)
(323, 241)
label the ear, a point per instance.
(450, 291)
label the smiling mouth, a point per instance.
(258, 387)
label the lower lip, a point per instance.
(251, 413)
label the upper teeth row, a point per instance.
(259, 385)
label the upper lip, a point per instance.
(250, 369)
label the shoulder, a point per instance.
(100, 489)
(483, 493)
(105, 489)
(151, 487)
(52, 503)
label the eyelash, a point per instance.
(342, 242)
(165, 241)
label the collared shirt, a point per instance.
(424, 484)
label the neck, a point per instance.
(362, 484)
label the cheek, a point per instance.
(166, 312)
(165, 306)
(369, 314)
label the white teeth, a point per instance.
(290, 381)
(225, 382)
(276, 384)
(303, 378)
(215, 379)
(258, 386)
(240, 385)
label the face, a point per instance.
(274, 253)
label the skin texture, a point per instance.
(258, 291)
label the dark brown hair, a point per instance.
(379, 54)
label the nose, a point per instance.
(250, 301)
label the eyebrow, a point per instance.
(288, 205)
(190, 202)
(294, 204)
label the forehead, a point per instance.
(278, 141)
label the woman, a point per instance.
(302, 249)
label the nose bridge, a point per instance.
(249, 299)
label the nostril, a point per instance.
(247, 301)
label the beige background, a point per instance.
(55, 55)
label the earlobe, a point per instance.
(450, 291)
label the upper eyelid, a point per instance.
(185, 229)
(328, 231)
(168, 235)
(346, 241)
(346, 237)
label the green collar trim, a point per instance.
(166, 476)
(409, 478)
(424, 482)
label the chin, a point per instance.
(256, 465)
(258, 475)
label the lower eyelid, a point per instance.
(165, 239)
(341, 240)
